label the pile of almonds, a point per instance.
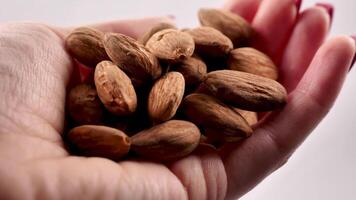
(160, 96)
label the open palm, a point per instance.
(35, 71)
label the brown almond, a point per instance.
(158, 27)
(193, 69)
(101, 141)
(132, 57)
(252, 61)
(210, 113)
(166, 96)
(210, 42)
(246, 91)
(86, 45)
(233, 26)
(115, 89)
(171, 45)
(168, 141)
(84, 105)
(249, 116)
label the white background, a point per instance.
(324, 167)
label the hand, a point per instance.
(34, 73)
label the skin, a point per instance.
(35, 72)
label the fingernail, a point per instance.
(353, 61)
(329, 8)
(298, 3)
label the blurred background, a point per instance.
(324, 167)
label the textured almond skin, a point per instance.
(115, 89)
(168, 141)
(210, 42)
(193, 69)
(210, 113)
(86, 45)
(101, 141)
(171, 45)
(252, 61)
(84, 105)
(233, 26)
(246, 91)
(158, 27)
(166, 96)
(249, 116)
(132, 57)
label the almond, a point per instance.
(171, 45)
(246, 91)
(168, 141)
(101, 141)
(252, 61)
(210, 42)
(166, 96)
(84, 105)
(210, 113)
(193, 69)
(86, 45)
(233, 26)
(249, 116)
(158, 27)
(132, 57)
(115, 89)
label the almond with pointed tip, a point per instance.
(252, 61)
(86, 45)
(193, 69)
(132, 57)
(210, 113)
(171, 45)
(100, 141)
(246, 91)
(210, 42)
(166, 96)
(232, 25)
(158, 27)
(115, 89)
(168, 141)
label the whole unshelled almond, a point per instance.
(246, 91)
(101, 141)
(210, 42)
(193, 69)
(210, 113)
(115, 89)
(252, 61)
(166, 96)
(132, 57)
(84, 105)
(168, 141)
(171, 45)
(86, 45)
(249, 116)
(230, 24)
(158, 27)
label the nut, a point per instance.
(246, 91)
(210, 113)
(249, 116)
(233, 26)
(168, 141)
(171, 45)
(210, 42)
(252, 61)
(84, 105)
(102, 141)
(166, 96)
(158, 27)
(132, 57)
(115, 89)
(86, 45)
(193, 69)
